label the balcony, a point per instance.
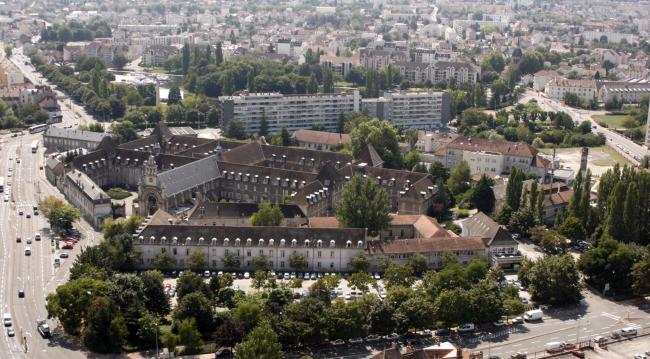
(506, 260)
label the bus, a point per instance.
(38, 128)
(2, 184)
(34, 146)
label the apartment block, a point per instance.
(558, 87)
(294, 112)
(423, 110)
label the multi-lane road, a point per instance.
(626, 147)
(36, 274)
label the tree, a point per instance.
(383, 136)
(438, 171)
(229, 333)
(264, 126)
(555, 280)
(155, 299)
(262, 343)
(609, 263)
(260, 263)
(8, 50)
(382, 318)
(267, 215)
(164, 262)
(190, 282)
(361, 281)
(614, 221)
(363, 204)
(514, 188)
(185, 58)
(451, 306)
(571, 99)
(312, 85)
(531, 62)
(62, 217)
(119, 61)
(483, 195)
(522, 220)
(219, 54)
(174, 96)
(572, 228)
(189, 336)
(197, 262)
(248, 314)
(360, 263)
(231, 261)
(399, 275)
(123, 131)
(459, 178)
(49, 203)
(298, 261)
(411, 160)
(105, 330)
(195, 305)
(236, 130)
(328, 81)
(71, 301)
(419, 263)
(641, 275)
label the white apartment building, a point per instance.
(558, 87)
(289, 48)
(612, 37)
(293, 112)
(423, 110)
(628, 91)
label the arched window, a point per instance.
(294, 242)
(360, 244)
(332, 243)
(237, 242)
(283, 242)
(249, 242)
(261, 242)
(271, 242)
(307, 242)
(319, 243)
(226, 241)
(348, 244)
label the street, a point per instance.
(629, 149)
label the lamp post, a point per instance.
(157, 338)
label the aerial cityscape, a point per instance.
(306, 179)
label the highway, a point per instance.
(36, 274)
(629, 149)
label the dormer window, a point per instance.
(348, 244)
(141, 239)
(271, 242)
(332, 243)
(226, 241)
(249, 242)
(307, 242)
(294, 242)
(260, 242)
(360, 244)
(319, 243)
(214, 241)
(237, 242)
(283, 242)
(163, 239)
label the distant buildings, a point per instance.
(320, 140)
(10, 74)
(156, 55)
(608, 36)
(293, 112)
(424, 110)
(64, 139)
(626, 91)
(557, 87)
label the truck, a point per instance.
(533, 315)
(43, 328)
(552, 347)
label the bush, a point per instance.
(118, 193)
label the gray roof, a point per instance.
(86, 185)
(69, 133)
(481, 225)
(188, 176)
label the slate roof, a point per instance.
(481, 225)
(191, 175)
(370, 156)
(426, 245)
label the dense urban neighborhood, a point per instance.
(325, 179)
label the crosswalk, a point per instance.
(620, 320)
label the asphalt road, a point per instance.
(630, 150)
(35, 274)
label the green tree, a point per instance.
(267, 215)
(264, 126)
(261, 343)
(328, 81)
(382, 318)
(70, 303)
(298, 261)
(190, 282)
(312, 85)
(459, 179)
(62, 217)
(119, 61)
(219, 54)
(236, 130)
(383, 136)
(514, 188)
(189, 336)
(155, 299)
(641, 275)
(197, 261)
(248, 314)
(614, 221)
(229, 333)
(555, 280)
(609, 262)
(531, 62)
(483, 195)
(572, 99)
(419, 263)
(260, 263)
(360, 263)
(572, 228)
(174, 96)
(411, 160)
(361, 281)
(185, 58)
(231, 261)
(438, 171)
(164, 262)
(363, 204)
(8, 50)
(399, 275)
(104, 329)
(451, 306)
(522, 220)
(197, 306)
(123, 131)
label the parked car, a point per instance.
(247, 275)
(355, 341)
(518, 320)
(518, 355)
(43, 328)
(338, 342)
(18, 239)
(600, 339)
(372, 338)
(21, 293)
(640, 356)
(63, 255)
(223, 353)
(10, 332)
(392, 336)
(628, 332)
(466, 328)
(443, 332)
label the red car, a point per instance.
(72, 239)
(67, 245)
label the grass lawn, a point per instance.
(612, 121)
(117, 193)
(617, 157)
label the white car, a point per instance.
(247, 275)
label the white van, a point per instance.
(6, 319)
(533, 315)
(554, 346)
(28, 251)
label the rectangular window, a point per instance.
(248, 253)
(318, 265)
(282, 254)
(282, 264)
(331, 254)
(174, 251)
(318, 254)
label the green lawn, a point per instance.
(118, 193)
(612, 121)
